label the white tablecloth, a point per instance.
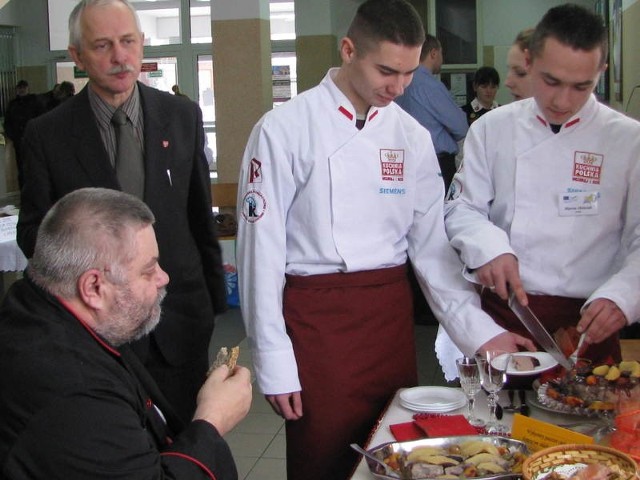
(11, 257)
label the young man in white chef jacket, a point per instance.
(338, 188)
(546, 204)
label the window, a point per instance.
(160, 73)
(207, 105)
(282, 20)
(456, 28)
(200, 14)
(160, 22)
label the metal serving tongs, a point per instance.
(387, 469)
(573, 358)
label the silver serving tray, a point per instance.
(386, 449)
(559, 407)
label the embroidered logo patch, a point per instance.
(587, 167)
(455, 189)
(392, 164)
(255, 171)
(253, 206)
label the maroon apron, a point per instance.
(354, 343)
(554, 313)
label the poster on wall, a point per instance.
(281, 78)
(616, 50)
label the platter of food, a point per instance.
(470, 456)
(530, 363)
(591, 391)
(552, 408)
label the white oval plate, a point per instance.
(546, 362)
(435, 399)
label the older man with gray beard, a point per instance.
(75, 402)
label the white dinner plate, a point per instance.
(433, 399)
(546, 362)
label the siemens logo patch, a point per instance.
(392, 191)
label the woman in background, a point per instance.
(517, 80)
(485, 84)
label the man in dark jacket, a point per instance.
(20, 110)
(75, 146)
(75, 403)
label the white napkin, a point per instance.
(447, 352)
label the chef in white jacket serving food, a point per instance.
(338, 188)
(547, 203)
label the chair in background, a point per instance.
(224, 199)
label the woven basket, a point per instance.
(543, 460)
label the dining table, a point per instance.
(395, 413)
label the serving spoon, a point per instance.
(387, 469)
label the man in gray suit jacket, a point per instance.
(75, 145)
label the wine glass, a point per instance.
(493, 366)
(469, 374)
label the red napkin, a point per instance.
(444, 425)
(433, 425)
(404, 432)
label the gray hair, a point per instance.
(75, 24)
(87, 228)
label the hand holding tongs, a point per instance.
(573, 358)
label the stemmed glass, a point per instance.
(493, 366)
(469, 374)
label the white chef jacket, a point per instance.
(566, 204)
(316, 195)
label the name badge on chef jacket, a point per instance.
(573, 204)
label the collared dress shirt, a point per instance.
(427, 100)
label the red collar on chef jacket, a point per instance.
(345, 111)
(98, 339)
(566, 125)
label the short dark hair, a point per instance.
(486, 76)
(574, 26)
(395, 21)
(430, 43)
(65, 90)
(22, 84)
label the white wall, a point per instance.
(8, 12)
(501, 22)
(503, 19)
(343, 12)
(33, 31)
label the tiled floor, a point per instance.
(258, 442)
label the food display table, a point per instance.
(396, 413)
(11, 257)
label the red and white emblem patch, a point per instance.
(392, 164)
(255, 171)
(587, 167)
